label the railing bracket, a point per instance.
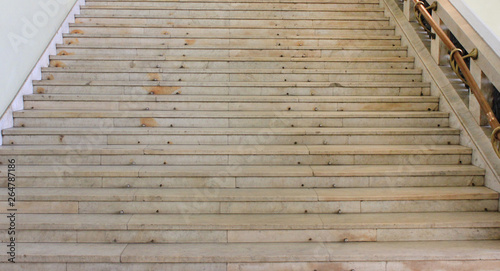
(454, 65)
(420, 18)
(495, 141)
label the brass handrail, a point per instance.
(459, 65)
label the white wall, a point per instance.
(28, 34)
(484, 17)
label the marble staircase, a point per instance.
(241, 135)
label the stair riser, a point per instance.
(229, 123)
(314, 265)
(236, 52)
(191, 52)
(193, 106)
(248, 182)
(240, 23)
(228, 236)
(264, 91)
(410, 159)
(165, 41)
(223, 139)
(235, 32)
(204, 77)
(128, 64)
(246, 5)
(282, 207)
(260, 14)
(247, 1)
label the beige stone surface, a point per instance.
(412, 251)
(299, 266)
(32, 266)
(61, 252)
(69, 221)
(271, 252)
(146, 266)
(235, 222)
(458, 265)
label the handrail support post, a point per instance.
(407, 9)
(439, 51)
(486, 89)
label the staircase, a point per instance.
(241, 135)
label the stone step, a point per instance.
(228, 119)
(233, 88)
(252, 228)
(251, 171)
(264, 136)
(241, 22)
(390, 256)
(231, 98)
(204, 31)
(335, 15)
(257, 41)
(234, 51)
(249, 6)
(234, 75)
(251, 195)
(234, 150)
(336, 2)
(213, 102)
(247, 106)
(253, 201)
(249, 182)
(238, 155)
(254, 13)
(128, 62)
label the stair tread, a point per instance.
(260, 252)
(228, 84)
(244, 1)
(230, 59)
(232, 17)
(229, 98)
(233, 7)
(152, 25)
(232, 131)
(224, 114)
(242, 37)
(257, 221)
(231, 47)
(234, 149)
(253, 195)
(232, 71)
(251, 171)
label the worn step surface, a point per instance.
(228, 119)
(448, 255)
(206, 31)
(234, 51)
(232, 40)
(239, 154)
(197, 136)
(133, 62)
(252, 228)
(234, 88)
(254, 201)
(241, 135)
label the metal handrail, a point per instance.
(459, 66)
